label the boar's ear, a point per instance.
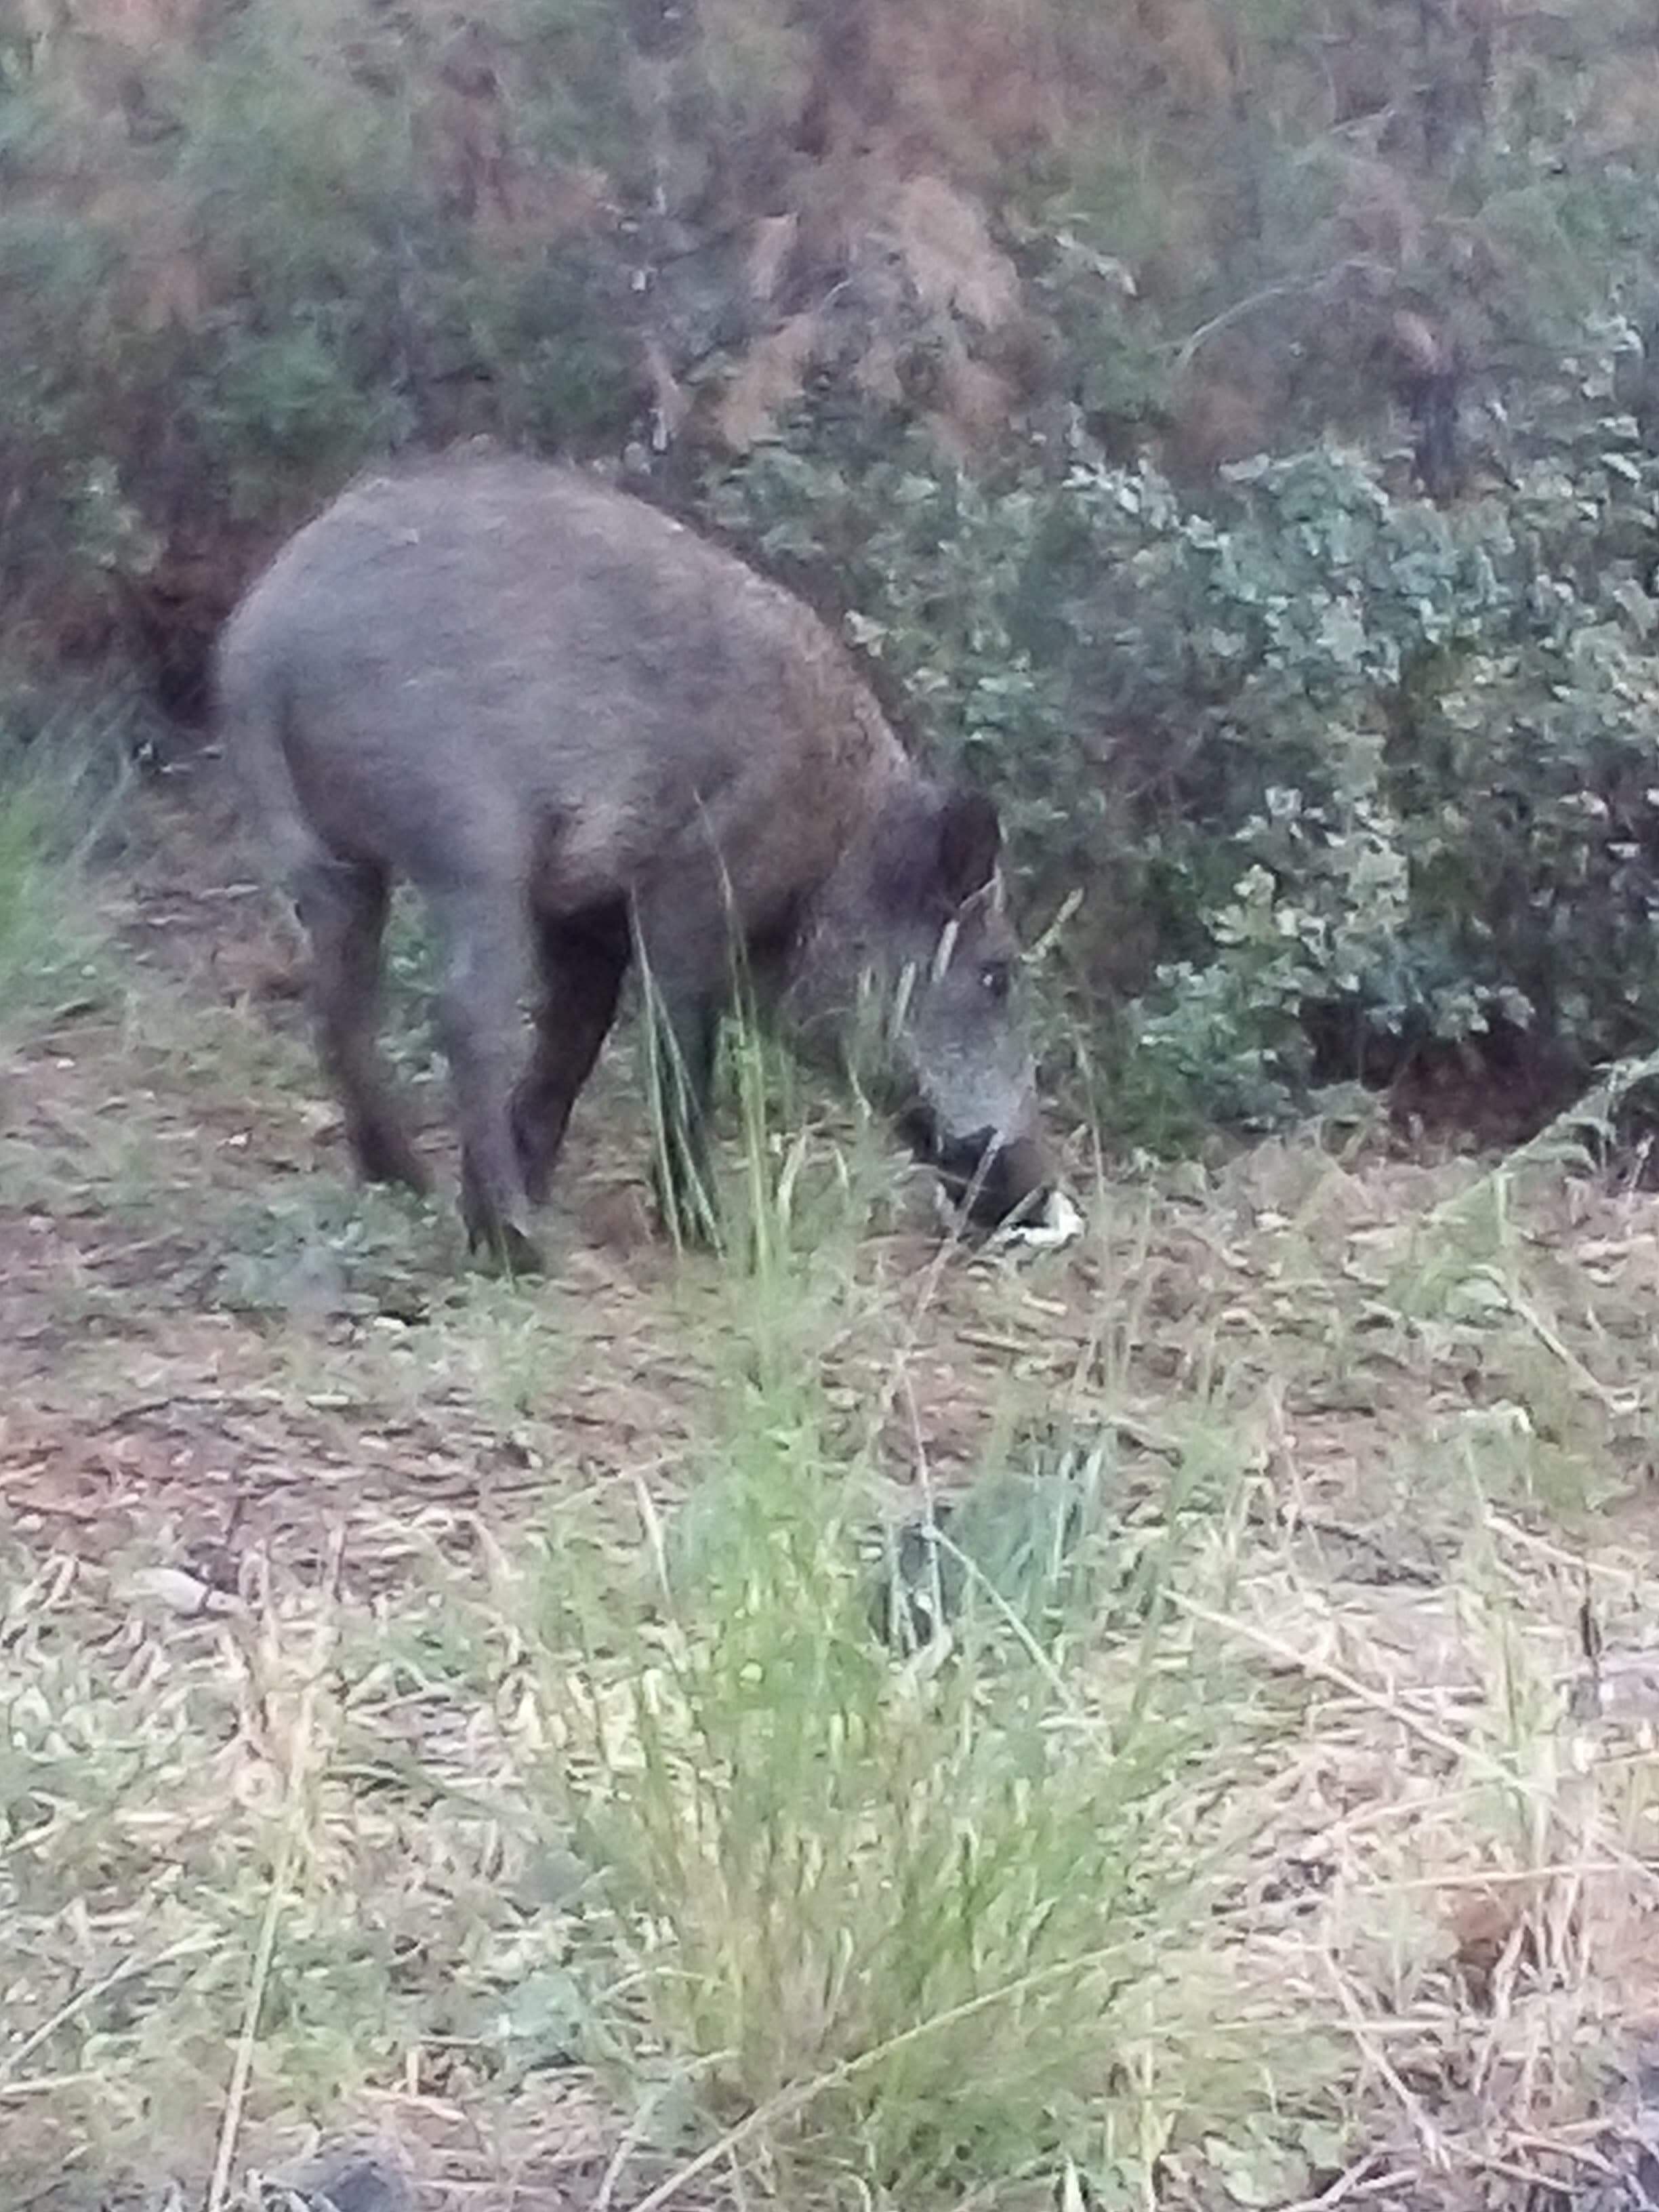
(969, 841)
(933, 852)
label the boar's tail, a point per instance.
(250, 717)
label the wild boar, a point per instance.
(589, 736)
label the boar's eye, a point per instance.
(996, 979)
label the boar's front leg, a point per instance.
(342, 910)
(483, 930)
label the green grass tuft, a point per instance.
(899, 1916)
(59, 795)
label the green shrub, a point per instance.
(272, 285)
(1344, 776)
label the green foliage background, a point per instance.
(1101, 462)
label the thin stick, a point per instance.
(125, 1973)
(1433, 2143)
(1551, 1341)
(45, 2084)
(1361, 2178)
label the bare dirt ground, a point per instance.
(236, 1395)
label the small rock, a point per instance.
(1061, 1223)
(177, 1591)
(349, 2178)
(918, 1584)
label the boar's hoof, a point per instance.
(385, 1155)
(370, 2179)
(504, 1247)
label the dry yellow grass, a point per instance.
(283, 1844)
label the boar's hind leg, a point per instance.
(484, 932)
(582, 966)
(342, 910)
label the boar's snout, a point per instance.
(993, 1181)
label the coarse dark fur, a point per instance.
(587, 734)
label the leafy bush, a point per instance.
(280, 274)
(1347, 777)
